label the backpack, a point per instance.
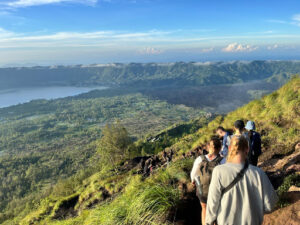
(255, 144)
(206, 169)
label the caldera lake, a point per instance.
(16, 96)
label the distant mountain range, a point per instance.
(149, 74)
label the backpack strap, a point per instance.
(218, 159)
(236, 179)
(203, 158)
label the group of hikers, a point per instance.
(231, 188)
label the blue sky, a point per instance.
(48, 32)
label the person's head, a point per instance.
(214, 146)
(238, 147)
(239, 125)
(220, 131)
(250, 126)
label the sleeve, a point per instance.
(270, 197)
(214, 198)
(195, 168)
(225, 151)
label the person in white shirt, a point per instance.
(203, 167)
(248, 199)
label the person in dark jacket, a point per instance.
(222, 133)
(254, 143)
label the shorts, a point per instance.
(203, 199)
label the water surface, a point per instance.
(21, 95)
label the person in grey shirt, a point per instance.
(247, 201)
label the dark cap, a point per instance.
(239, 124)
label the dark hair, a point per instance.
(239, 124)
(217, 142)
(220, 128)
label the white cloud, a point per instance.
(235, 47)
(272, 47)
(5, 34)
(150, 51)
(277, 21)
(97, 38)
(205, 50)
(296, 19)
(28, 3)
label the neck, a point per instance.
(239, 132)
(211, 155)
(238, 159)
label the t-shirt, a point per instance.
(246, 202)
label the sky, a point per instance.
(67, 32)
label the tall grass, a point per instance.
(141, 203)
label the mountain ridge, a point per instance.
(132, 199)
(148, 75)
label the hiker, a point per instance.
(202, 168)
(255, 143)
(239, 193)
(239, 130)
(222, 133)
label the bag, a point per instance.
(255, 143)
(206, 169)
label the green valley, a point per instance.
(125, 197)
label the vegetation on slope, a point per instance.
(43, 141)
(151, 74)
(133, 200)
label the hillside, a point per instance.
(125, 197)
(148, 75)
(44, 141)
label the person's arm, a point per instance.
(270, 197)
(195, 168)
(225, 151)
(214, 198)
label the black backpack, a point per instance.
(206, 169)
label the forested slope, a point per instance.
(125, 197)
(150, 74)
(44, 141)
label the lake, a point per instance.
(21, 95)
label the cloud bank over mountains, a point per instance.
(235, 47)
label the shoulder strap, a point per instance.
(219, 159)
(203, 158)
(236, 179)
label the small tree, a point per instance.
(113, 145)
